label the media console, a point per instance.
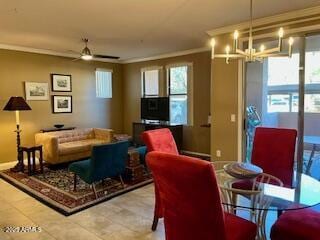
(140, 127)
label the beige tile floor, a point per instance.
(127, 217)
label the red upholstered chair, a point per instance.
(159, 140)
(297, 225)
(273, 151)
(191, 200)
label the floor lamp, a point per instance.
(17, 104)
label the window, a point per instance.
(150, 82)
(103, 83)
(279, 103)
(179, 86)
(283, 70)
(283, 83)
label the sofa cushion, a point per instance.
(78, 146)
(75, 135)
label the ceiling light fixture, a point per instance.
(251, 54)
(86, 53)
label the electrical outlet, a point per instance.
(218, 153)
(233, 117)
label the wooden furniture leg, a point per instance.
(154, 223)
(33, 155)
(94, 190)
(121, 180)
(29, 163)
(41, 160)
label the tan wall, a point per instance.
(88, 111)
(195, 138)
(224, 102)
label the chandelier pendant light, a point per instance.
(251, 54)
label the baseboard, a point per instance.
(196, 154)
(7, 165)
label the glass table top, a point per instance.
(304, 193)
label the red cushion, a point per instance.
(191, 200)
(238, 228)
(244, 184)
(273, 151)
(297, 225)
(160, 140)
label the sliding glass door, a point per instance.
(272, 94)
(311, 146)
(273, 89)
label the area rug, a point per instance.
(55, 189)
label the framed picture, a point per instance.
(61, 83)
(61, 104)
(36, 91)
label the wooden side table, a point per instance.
(31, 154)
(134, 169)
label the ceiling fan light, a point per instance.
(86, 57)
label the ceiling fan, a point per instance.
(87, 55)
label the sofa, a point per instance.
(71, 145)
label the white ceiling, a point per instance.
(127, 28)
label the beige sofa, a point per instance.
(66, 146)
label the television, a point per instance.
(155, 108)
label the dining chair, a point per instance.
(301, 224)
(159, 140)
(259, 202)
(191, 200)
(107, 160)
(273, 151)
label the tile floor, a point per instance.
(128, 216)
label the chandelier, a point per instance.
(251, 54)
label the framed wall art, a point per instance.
(36, 91)
(61, 104)
(61, 83)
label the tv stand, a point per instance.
(139, 127)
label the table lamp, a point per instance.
(17, 104)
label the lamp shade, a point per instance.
(16, 104)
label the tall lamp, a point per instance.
(17, 104)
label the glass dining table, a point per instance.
(265, 197)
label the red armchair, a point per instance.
(159, 140)
(191, 200)
(297, 225)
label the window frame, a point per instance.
(107, 70)
(188, 94)
(143, 88)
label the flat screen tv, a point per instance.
(155, 108)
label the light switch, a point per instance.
(218, 153)
(233, 118)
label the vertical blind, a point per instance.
(151, 82)
(103, 83)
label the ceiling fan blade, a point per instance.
(105, 56)
(76, 59)
(71, 51)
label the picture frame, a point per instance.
(61, 82)
(37, 91)
(61, 104)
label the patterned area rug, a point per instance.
(55, 189)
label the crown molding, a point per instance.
(266, 20)
(73, 55)
(167, 55)
(49, 52)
